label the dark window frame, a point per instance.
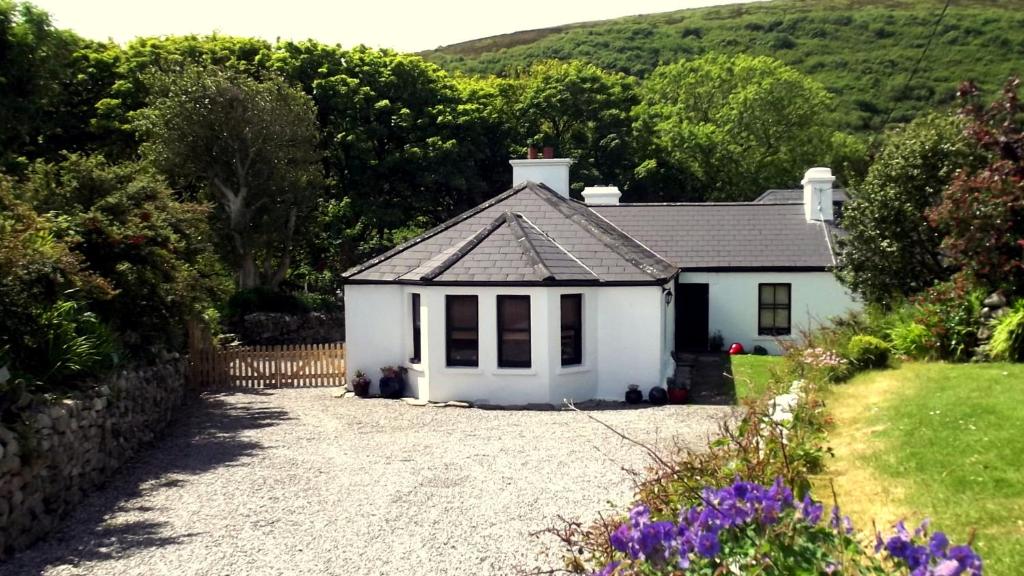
(576, 359)
(449, 327)
(503, 361)
(417, 331)
(774, 306)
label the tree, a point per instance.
(581, 110)
(248, 144)
(155, 253)
(890, 249)
(982, 212)
(42, 106)
(400, 146)
(730, 127)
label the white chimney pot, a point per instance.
(552, 172)
(601, 195)
(817, 185)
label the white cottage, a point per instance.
(533, 297)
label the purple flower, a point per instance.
(811, 511)
(708, 545)
(898, 547)
(639, 516)
(948, 568)
(938, 544)
(620, 538)
(834, 521)
(847, 525)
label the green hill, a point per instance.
(862, 50)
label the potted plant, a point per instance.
(657, 396)
(361, 384)
(633, 394)
(392, 381)
(677, 393)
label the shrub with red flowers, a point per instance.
(982, 212)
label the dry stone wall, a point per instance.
(66, 449)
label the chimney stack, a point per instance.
(601, 195)
(550, 171)
(817, 184)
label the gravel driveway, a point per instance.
(298, 482)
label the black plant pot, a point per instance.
(634, 396)
(392, 386)
(658, 396)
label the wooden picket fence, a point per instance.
(304, 365)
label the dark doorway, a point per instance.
(691, 317)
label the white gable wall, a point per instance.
(626, 340)
(733, 303)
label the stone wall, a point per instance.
(68, 448)
(265, 328)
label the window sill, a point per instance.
(771, 338)
(461, 370)
(416, 366)
(513, 372)
(575, 369)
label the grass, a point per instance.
(753, 374)
(936, 440)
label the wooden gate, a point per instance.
(305, 365)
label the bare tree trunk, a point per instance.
(248, 277)
(286, 253)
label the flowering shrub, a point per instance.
(750, 528)
(824, 365)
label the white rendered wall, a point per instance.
(626, 340)
(733, 299)
(632, 335)
(374, 326)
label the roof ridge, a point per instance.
(744, 204)
(558, 245)
(434, 231)
(466, 247)
(531, 252)
(579, 216)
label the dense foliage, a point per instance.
(100, 263)
(730, 125)
(863, 52)
(249, 145)
(981, 216)
(890, 250)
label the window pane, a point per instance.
(416, 334)
(782, 295)
(461, 329)
(767, 294)
(572, 329)
(782, 319)
(767, 319)
(514, 331)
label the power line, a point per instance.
(915, 69)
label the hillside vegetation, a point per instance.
(861, 50)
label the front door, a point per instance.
(691, 317)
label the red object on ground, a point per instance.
(736, 348)
(678, 395)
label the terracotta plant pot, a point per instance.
(549, 152)
(531, 153)
(678, 395)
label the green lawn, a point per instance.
(753, 374)
(936, 440)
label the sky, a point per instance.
(407, 25)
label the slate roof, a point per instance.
(786, 196)
(529, 234)
(728, 235)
